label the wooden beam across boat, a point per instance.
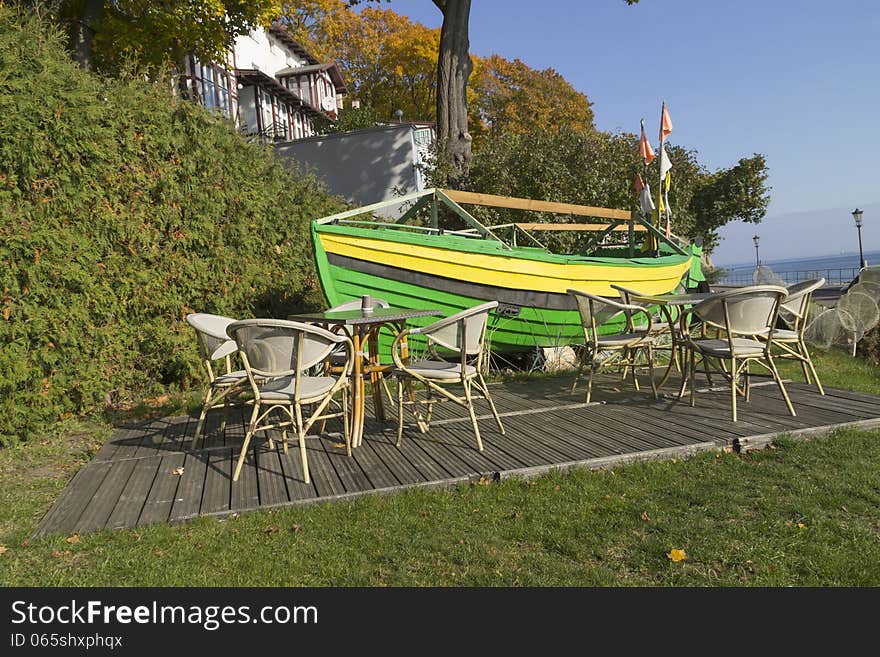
(514, 203)
(581, 227)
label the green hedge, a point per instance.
(122, 210)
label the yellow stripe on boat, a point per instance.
(512, 273)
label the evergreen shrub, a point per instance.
(122, 209)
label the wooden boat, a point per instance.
(424, 266)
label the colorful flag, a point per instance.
(645, 149)
(665, 163)
(638, 184)
(666, 183)
(645, 199)
(665, 123)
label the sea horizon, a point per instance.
(870, 256)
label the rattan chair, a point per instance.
(620, 350)
(277, 355)
(660, 326)
(794, 311)
(746, 318)
(463, 335)
(214, 345)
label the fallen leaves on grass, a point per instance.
(3, 549)
(294, 528)
(157, 401)
(645, 516)
(72, 539)
(271, 530)
(677, 555)
(801, 525)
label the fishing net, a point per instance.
(825, 330)
(766, 276)
(856, 313)
(870, 274)
(868, 288)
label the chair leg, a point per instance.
(225, 414)
(748, 390)
(631, 356)
(430, 413)
(693, 377)
(302, 442)
(201, 422)
(470, 404)
(399, 411)
(651, 370)
(684, 374)
(809, 360)
(346, 430)
(252, 425)
(284, 431)
(580, 370)
(779, 383)
(733, 386)
(485, 391)
(589, 384)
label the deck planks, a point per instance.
(132, 482)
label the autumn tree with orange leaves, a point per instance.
(510, 97)
(391, 63)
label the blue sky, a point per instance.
(794, 80)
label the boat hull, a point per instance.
(452, 273)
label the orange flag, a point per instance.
(665, 123)
(645, 149)
(638, 184)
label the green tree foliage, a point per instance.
(351, 118)
(122, 210)
(598, 169)
(104, 34)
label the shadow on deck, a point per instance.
(136, 479)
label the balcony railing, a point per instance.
(832, 276)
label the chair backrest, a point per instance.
(214, 342)
(596, 311)
(748, 310)
(278, 347)
(463, 332)
(797, 302)
(626, 294)
(356, 305)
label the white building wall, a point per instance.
(262, 51)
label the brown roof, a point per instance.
(279, 31)
(332, 68)
(260, 79)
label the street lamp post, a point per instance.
(857, 215)
(757, 258)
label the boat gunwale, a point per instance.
(388, 232)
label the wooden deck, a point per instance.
(132, 481)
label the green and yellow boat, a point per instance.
(414, 263)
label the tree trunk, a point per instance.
(454, 67)
(84, 33)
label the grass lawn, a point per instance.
(804, 513)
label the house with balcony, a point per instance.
(270, 86)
